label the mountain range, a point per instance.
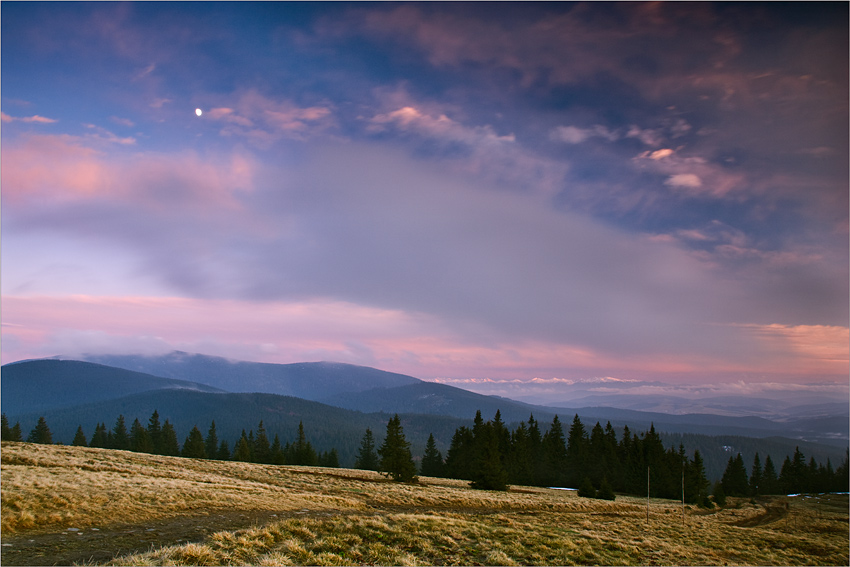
(337, 402)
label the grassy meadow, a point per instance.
(317, 516)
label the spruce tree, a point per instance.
(396, 460)
(120, 439)
(242, 450)
(277, 455)
(99, 438)
(329, 459)
(556, 459)
(586, 489)
(756, 480)
(576, 453)
(696, 484)
(155, 433)
(15, 434)
(367, 458)
(5, 430)
(211, 442)
(193, 447)
(79, 438)
(461, 454)
(170, 447)
(770, 481)
(41, 433)
(223, 452)
(432, 460)
(302, 452)
(140, 441)
(605, 491)
(262, 451)
(735, 481)
(488, 472)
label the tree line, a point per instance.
(160, 438)
(795, 476)
(600, 463)
(491, 456)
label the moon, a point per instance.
(198, 111)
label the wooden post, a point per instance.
(647, 494)
(683, 493)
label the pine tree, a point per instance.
(15, 434)
(756, 476)
(79, 438)
(770, 481)
(555, 454)
(211, 442)
(120, 438)
(735, 481)
(170, 447)
(460, 456)
(5, 430)
(586, 489)
(576, 453)
(396, 460)
(193, 447)
(262, 451)
(99, 438)
(155, 433)
(302, 452)
(367, 458)
(41, 433)
(696, 484)
(139, 440)
(605, 490)
(432, 460)
(329, 459)
(277, 455)
(488, 472)
(223, 452)
(242, 450)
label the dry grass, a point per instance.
(341, 517)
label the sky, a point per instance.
(478, 194)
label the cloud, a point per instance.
(575, 135)
(440, 127)
(684, 180)
(263, 120)
(35, 119)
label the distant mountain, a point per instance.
(45, 385)
(326, 427)
(329, 427)
(438, 399)
(307, 380)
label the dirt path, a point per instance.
(770, 514)
(102, 544)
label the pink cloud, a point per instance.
(31, 119)
(264, 120)
(66, 168)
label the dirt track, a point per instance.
(102, 544)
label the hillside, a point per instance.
(45, 385)
(308, 380)
(120, 508)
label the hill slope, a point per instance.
(308, 380)
(45, 385)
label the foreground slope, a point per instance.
(67, 504)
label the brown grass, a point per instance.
(343, 517)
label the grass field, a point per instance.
(69, 504)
